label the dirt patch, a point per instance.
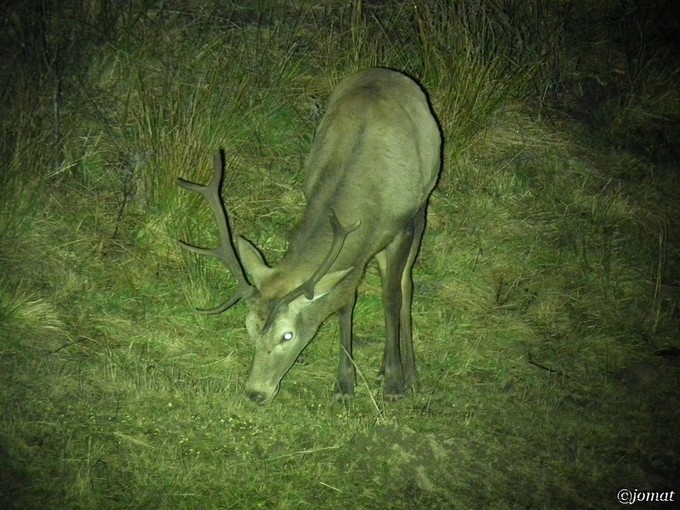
(415, 464)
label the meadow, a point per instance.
(547, 290)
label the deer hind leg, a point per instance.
(394, 264)
(408, 359)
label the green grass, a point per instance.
(546, 308)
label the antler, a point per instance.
(225, 251)
(340, 233)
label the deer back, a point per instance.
(375, 159)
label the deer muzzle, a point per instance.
(261, 394)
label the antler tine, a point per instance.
(225, 251)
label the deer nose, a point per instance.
(257, 397)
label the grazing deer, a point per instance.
(373, 164)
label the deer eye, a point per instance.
(287, 337)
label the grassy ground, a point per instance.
(546, 311)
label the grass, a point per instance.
(546, 309)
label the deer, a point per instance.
(374, 162)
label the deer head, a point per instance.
(282, 320)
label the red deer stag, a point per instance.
(373, 164)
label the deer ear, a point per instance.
(325, 285)
(253, 261)
(329, 281)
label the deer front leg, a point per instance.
(344, 385)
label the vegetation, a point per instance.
(547, 290)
